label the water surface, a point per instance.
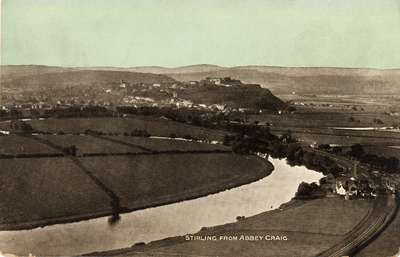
(161, 222)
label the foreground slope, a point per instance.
(309, 227)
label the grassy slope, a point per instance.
(244, 96)
(311, 227)
(85, 78)
(387, 243)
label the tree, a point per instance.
(357, 151)
(307, 191)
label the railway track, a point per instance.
(384, 210)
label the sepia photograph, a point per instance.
(200, 128)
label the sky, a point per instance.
(126, 33)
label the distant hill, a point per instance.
(334, 81)
(280, 80)
(65, 78)
(10, 72)
(163, 70)
(246, 96)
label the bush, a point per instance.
(308, 191)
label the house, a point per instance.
(352, 188)
(340, 189)
(215, 81)
(122, 84)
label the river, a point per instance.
(161, 222)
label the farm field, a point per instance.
(341, 136)
(310, 227)
(89, 144)
(82, 187)
(318, 119)
(158, 144)
(154, 179)
(12, 144)
(36, 190)
(85, 144)
(385, 151)
(154, 126)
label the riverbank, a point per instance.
(297, 228)
(61, 193)
(161, 222)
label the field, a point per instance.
(155, 126)
(327, 118)
(169, 145)
(85, 144)
(387, 244)
(21, 145)
(150, 179)
(310, 227)
(385, 151)
(47, 190)
(89, 144)
(35, 190)
(341, 136)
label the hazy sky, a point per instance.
(341, 33)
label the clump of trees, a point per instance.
(252, 139)
(78, 111)
(378, 121)
(357, 152)
(71, 150)
(298, 155)
(309, 191)
(21, 127)
(133, 133)
(388, 164)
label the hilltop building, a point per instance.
(226, 82)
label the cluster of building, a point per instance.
(355, 186)
(224, 82)
(169, 94)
